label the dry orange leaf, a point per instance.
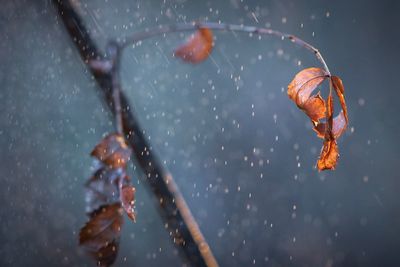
(329, 152)
(317, 109)
(341, 120)
(339, 89)
(300, 89)
(329, 156)
(338, 126)
(314, 107)
(197, 47)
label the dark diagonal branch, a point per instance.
(171, 204)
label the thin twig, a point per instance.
(114, 54)
(181, 27)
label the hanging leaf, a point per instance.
(314, 107)
(102, 188)
(338, 127)
(106, 255)
(329, 156)
(112, 155)
(317, 109)
(300, 89)
(329, 153)
(108, 193)
(113, 151)
(100, 235)
(342, 118)
(197, 47)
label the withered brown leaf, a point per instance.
(108, 193)
(127, 197)
(329, 156)
(102, 188)
(197, 48)
(341, 120)
(317, 109)
(112, 151)
(300, 89)
(329, 152)
(100, 235)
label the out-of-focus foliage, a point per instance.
(108, 193)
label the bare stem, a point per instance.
(181, 27)
(114, 53)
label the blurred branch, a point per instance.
(171, 205)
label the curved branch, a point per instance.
(181, 27)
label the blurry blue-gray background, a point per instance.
(241, 152)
